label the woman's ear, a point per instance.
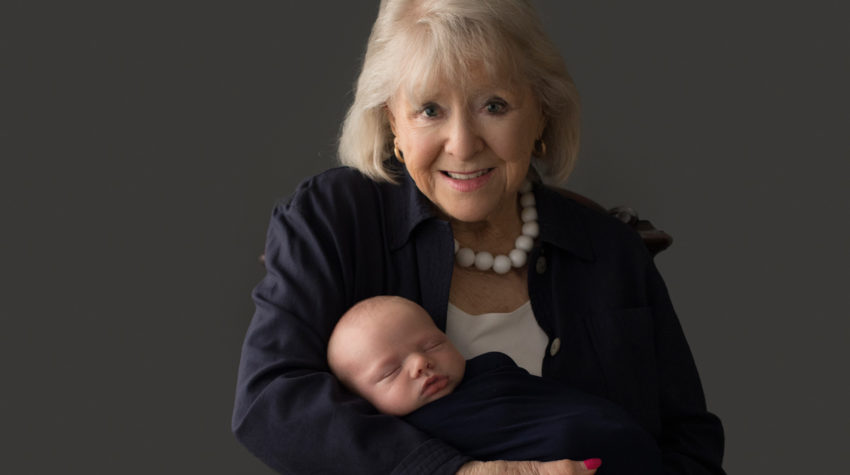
(390, 117)
(542, 126)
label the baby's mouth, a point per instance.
(433, 385)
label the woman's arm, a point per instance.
(692, 438)
(290, 411)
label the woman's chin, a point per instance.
(472, 207)
(467, 214)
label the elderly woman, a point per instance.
(460, 107)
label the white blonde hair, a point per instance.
(415, 42)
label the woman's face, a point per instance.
(468, 148)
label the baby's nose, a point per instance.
(421, 364)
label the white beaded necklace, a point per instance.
(502, 264)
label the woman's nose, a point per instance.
(463, 140)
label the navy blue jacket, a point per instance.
(342, 237)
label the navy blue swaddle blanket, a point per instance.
(501, 412)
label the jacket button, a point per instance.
(555, 347)
(541, 265)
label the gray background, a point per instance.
(144, 143)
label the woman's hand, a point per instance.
(557, 467)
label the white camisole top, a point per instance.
(516, 334)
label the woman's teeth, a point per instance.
(467, 176)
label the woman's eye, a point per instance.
(496, 107)
(429, 110)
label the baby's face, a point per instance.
(398, 360)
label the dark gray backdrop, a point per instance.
(144, 143)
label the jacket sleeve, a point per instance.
(290, 411)
(691, 437)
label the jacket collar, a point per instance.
(406, 208)
(562, 222)
(561, 219)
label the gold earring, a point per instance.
(398, 154)
(539, 148)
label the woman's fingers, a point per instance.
(500, 467)
(569, 467)
(557, 467)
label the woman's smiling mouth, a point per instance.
(468, 181)
(467, 176)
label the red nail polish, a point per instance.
(592, 463)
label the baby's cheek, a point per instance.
(410, 399)
(393, 401)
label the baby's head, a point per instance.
(388, 350)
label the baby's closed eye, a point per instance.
(434, 344)
(390, 373)
(435, 347)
